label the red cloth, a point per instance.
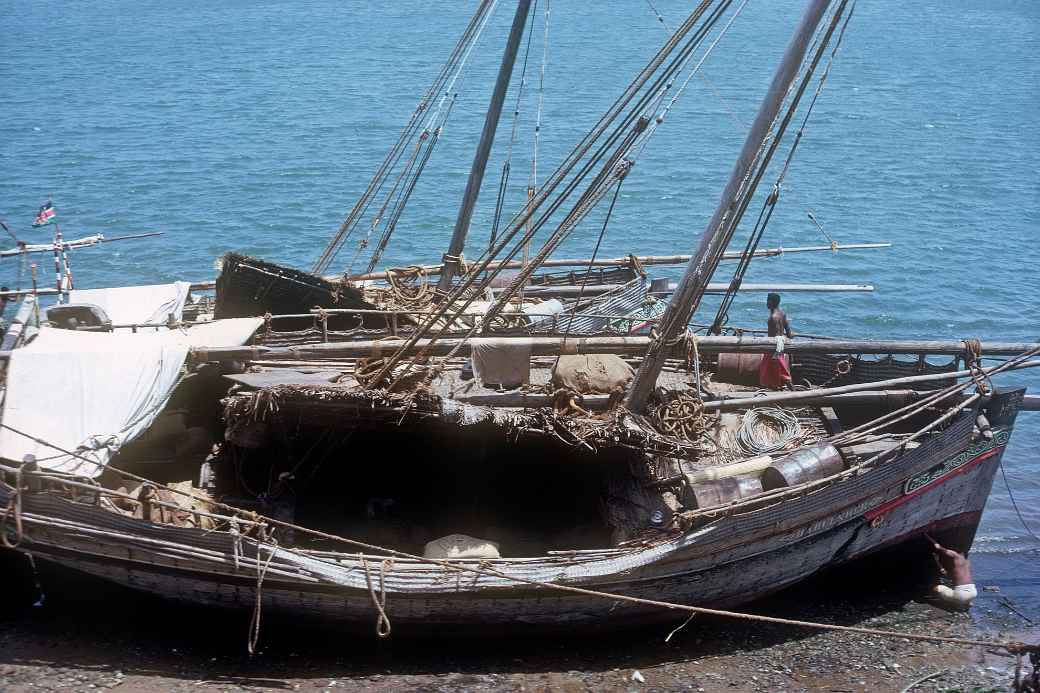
(774, 371)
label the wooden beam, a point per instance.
(711, 245)
(551, 346)
(712, 288)
(645, 260)
(487, 138)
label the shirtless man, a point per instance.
(778, 324)
(774, 372)
(955, 566)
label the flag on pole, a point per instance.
(45, 215)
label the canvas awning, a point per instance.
(88, 393)
(137, 305)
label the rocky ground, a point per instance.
(88, 636)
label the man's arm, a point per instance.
(787, 328)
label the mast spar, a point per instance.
(452, 258)
(703, 262)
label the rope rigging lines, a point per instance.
(676, 319)
(422, 119)
(769, 205)
(604, 154)
(503, 184)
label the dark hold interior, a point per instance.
(403, 488)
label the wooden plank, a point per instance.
(712, 288)
(645, 260)
(551, 346)
(281, 376)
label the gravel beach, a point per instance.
(89, 635)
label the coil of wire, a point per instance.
(767, 429)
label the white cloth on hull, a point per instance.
(137, 305)
(91, 392)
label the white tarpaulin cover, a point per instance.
(137, 305)
(91, 392)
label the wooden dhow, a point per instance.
(405, 458)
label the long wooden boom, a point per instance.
(552, 346)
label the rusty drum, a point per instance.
(707, 494)
(738, 369)
(805, 465)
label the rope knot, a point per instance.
(383, 627)
(14, 505)
(973, 360)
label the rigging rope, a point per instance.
(445, 80)
(503, 184)
(406, 194)
(261, 573)
(533, 180)
(769, 205)
(390, 196)
(432, 131)
(595, 253)
(626, 132)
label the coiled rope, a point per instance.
(767, 429)
(409, 287)
(682, 417)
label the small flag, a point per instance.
(46, 215)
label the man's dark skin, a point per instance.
(778, 325)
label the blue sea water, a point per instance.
(254, 125)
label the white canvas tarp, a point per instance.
(91, 392)
(137, 305)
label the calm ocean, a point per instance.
(253, 126)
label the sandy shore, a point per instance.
(88, 635)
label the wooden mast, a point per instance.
(703, 262)
(487, 137)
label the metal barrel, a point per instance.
(738, 369)
(805, 465)
(707, 494)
